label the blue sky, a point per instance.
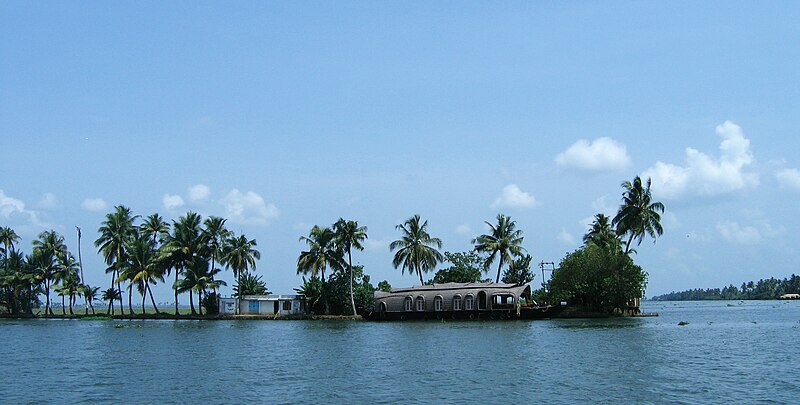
(280, 116)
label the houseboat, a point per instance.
(459, 301)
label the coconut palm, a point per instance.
(321, 253)
(8, 237)
(90, 294)
(46, 250)
(601, 233)
(154, 226)
(43, 266)
(117, 227)
(215, 235)
(183, 248)
(110, 295)
(504, 242)
(240, 255)
(194, 279)
(19, 282)
(142, 267)
(417, 249)
(638, 215)
(67, 276)
(348, 235)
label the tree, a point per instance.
(155, 227)
(240, 255)
(349, 235)
(142, 267)
(90, 294)
(42, 265)
(384, 286)
(416, 249)
(46, 250)
(321, 253)
(67, 276)
(519, 272)
(20, 286)
(183, 248)
(215, 235)
(8, 237)
(465, 267)
(504, 242)
(109, 295)
(117, 227)
(638, 215)
(601, 233)
(249, 284)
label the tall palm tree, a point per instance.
(321, 253)
(183, 248)
(142, 267)
(349, 235)
(117, 227)
(8, 237)
(601, 233)
(67, 276)
(417, 249)
(215, 235)
(240, 255)
(638, 215)
(154, 226)
(80, 264)
(42, 264)
(50, 246)
(504, 242)
(20, 281)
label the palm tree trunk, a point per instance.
(47, 306)
(71, 299)
(350, 265)
(498, 269)
(110, 311)
(121, 306)
(92, 307)
(191, 302)
(176, 292)
(130, 298)
(628, 245)
(419, 272)
(63, 307)
(144, 297)
(200, 301)
(152, 300)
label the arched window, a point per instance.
(420, 303)
(469, 303)
(457, 303)
(438, 305)
(409, 304)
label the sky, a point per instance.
(283, 115)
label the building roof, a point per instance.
(455, 288)
(272, 297)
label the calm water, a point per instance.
(730, 352)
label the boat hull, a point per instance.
(529, 313)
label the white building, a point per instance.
(263, 305)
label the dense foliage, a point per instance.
(465, 267)
(332, 297)
(519, 272)
(764, 289)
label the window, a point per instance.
(457, 303)
(437, 303)
(287, 305)
(469, 303)
(409, 304)
(420, 304)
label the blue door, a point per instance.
(253, 307)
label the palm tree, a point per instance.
(117, 227)
(50, 246)
(142, 267)
(110, 295)
(80, 264)
(183, 248)
(601, 234)
(8, 237)
(215, 235)
(154, 226)
(67, 275)
(43, 266)
(638, 215)
(90, 294)
(20, 281)
(417, 249)
(504, 241)
(240, 255)
(349, 235)
(321, 253)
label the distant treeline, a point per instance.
(769, 289)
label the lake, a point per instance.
(730, 351)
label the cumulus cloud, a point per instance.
(94, 204)
(602, 154)
(199, 192)
(755, 234)
(172, 201)
(705, 176)
(48, 201)
(249, 208)
(513, 197)
(566, 237)
(789, 178)
(12, 208)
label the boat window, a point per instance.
(420, 304)
(409, 304)
(287, 305)
(437, 303)
(469, 303)
(457, 303)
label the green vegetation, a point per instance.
(465, 267)
(504, 243)
(764, 289)
(416, 249)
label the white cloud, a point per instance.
(199, 192)
(94, 204)
(11, 207)
(602, 154)
(706, 176)
(789, 178)
(463, 229)
(566, 237)
(249, 208)
(755, 234)
(172, 201)
(513, 197)
(48, 201)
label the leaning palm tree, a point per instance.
(417, 249)
(321, 253)
(117, 227)
(504, 242)
(638, 215)
(601, 234)
(349, 235)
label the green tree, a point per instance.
(90, 293)
(240, 255)
(416, 249)
(42, 264)
(385, 286)
(465, 267)
(349, 235)
(182, 250)
(519, 272)
(504, 243)
(20, 287)
(109, 295)
(249, 284)
(638, 215)
(321, 253)
(601, 233)
(216, 235)
(47, 249)
(113, 231)
(142, 267)
(8, 237)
